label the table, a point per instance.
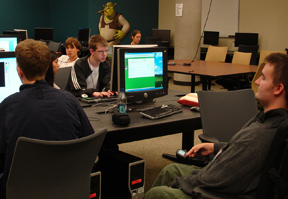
(143, 128)
(208, 70)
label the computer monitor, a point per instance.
(163, 34)
(114, 63)
(45, 34)
(143, 73)
(23, 33)
(84, 34)
(9, 79)
(249, 39)
(18, 34)
(211, 38)
(8, 42)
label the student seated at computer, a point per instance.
(135, 37)
(52, 69)
(91, 74)
(238, 165)
(72, 46)
(38, 110)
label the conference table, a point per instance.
(141, 127)
(208, 70)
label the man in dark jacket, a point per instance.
(38, 111)
(237, 166)
(91, 74)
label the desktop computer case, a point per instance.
(123, 175)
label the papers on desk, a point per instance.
(191, 99)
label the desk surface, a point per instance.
(143, 128)
(212, 69)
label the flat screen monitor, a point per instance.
(163, 34)
(45, 34)
(143, 73)
(249, 39)
(18, 34)
(84, 34)
(211, 38)
(9, 79)
(8, 42)
(114, 63)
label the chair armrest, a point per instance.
(209, 194)
(207, 138)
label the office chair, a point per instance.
(241, 58)
(61, 78)
(216, 54)
(258, 73)
(55, 46)
(274, 179)
(265, 53)
(251, 49)
(223, 113)
(53, 169)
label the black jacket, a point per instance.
(81, 71)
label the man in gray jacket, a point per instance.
(238, 164)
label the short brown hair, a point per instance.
(33, 58)
(97, 40)
(280, 63)
(73, 42)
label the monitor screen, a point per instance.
(8, 42)
(163, 34)
(21, 36)
(143, 73)
(211, 38)
(84, 34)
(114, 63)
(249, 39)
(45, 34)
(9, 79)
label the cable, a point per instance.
(202, 34)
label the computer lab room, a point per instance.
(194, 90)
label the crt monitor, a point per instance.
(163, 34)
(249, 39)
(8, 42)
(9, 79)
(23, 33)
(45, 34)
(21, 36)
(143, 73)
(114, 63)
(84, 34)
(211, 38)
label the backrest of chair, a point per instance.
(258, 73)
(216, 53)
(53, 169)
(265, 53)
(54, 46)
(253, 50)
(61, 78)
(223, 113)
(241, 58)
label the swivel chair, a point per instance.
(265, 53)
(61, 78)
(251, 49)
(55, 46)
(53, 169)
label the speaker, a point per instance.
(123, 175)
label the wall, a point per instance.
(67, 16)
(24, 14)
(268, 18)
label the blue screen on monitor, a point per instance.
(8, 43)
(9, 79)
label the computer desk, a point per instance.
(208, 70)
(143, 128)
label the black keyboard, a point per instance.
(99, 99)
(161, 111)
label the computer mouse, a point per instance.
(84, 95)
(195, 108)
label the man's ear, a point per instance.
(20, 72)
(279, 89)
(91, 51)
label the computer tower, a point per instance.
(95, 185)
(123, 175)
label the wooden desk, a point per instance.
(143, 128)
(209, 70)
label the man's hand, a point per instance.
(103, 93)
(119, 35)
(206, 149)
